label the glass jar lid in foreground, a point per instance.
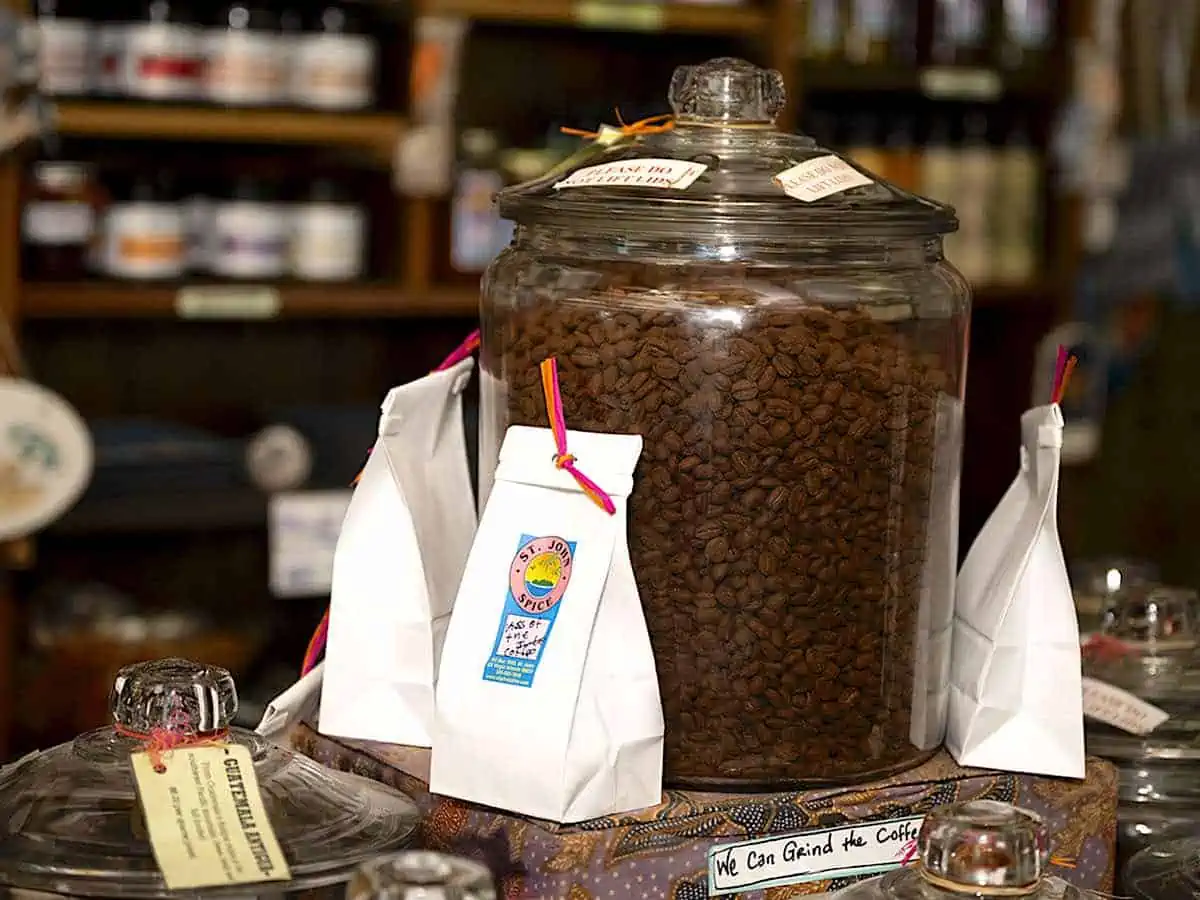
(724, 165)
(1169, 871)
(73, 823)
(422, 875)
(980, 848)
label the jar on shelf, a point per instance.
(421, 875)
(782, 329)
(329, 232)
(1094, 582)
(1149, 647)
(145, 234)
(58, 223)
(245, 58)
(163, 53)
(333, 64)
(64, 48)
(108, 55)
(981, 848)
(73, 823)
(249, 232)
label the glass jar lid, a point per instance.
(73, 822)
(1169, 871)
(723, 165)
(1149, 643)
(422, 875)
(983, 844)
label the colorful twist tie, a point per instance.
(158, 742)
(562, 459)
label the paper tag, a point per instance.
(961, 84)
(620, 16)
(1113, 706)
(537, 581)
(816, 178)
(669, 174)
(227, 302)
(304, 528)
(206, 820)
(864, 849)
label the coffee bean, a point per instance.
(778, 516)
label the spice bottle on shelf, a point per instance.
(64, 48)
(144, 233)
(1017, 201)
(58, 220)
(333, 65)
(474, 219)
(1027, 33)
(975, 194)
(197, 219)
(870, 31)
(249, 232)
(108, 49)
(961, 32)
(823, 26)
(329, 235)
(244, 57)
(163, 53)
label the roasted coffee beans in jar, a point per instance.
(782, 329)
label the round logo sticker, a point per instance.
(540, 572)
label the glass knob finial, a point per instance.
(173, 694)
(984, 843)
(726, 91)
(421, 875)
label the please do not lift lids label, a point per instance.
(205, 818)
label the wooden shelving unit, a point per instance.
(375, 133)
(609, 14)
(119, 300)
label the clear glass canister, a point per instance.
(981, 848)
(782, 329)
(1167, 871)
(71, 822)
(1095, 581)
(1149, 646)
(422, 875)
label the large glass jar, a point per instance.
(783, 331)
(71, 822)
(1149, 646)
(977, 849)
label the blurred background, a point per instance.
(245, 222)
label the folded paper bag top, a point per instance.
(1016, 686)
(547, 700)
(399, 558)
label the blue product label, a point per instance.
(537, 580)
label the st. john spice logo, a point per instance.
(540, 573)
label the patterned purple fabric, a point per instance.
(662, 852)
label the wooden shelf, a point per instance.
(612, 15)
(228, 509)
(950, 83)
(376, 133)
(121, 300)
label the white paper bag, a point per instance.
(548, 700)
(296, 704)
(1016, 685)
(398, 562)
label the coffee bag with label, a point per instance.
(398, 562)
(547, 700)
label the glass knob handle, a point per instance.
(985, 843)
(727, 91)
(173, 694)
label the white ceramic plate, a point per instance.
(45, 457)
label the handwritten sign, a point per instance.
(1109, 704)
(206, 820)
(863, 849)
